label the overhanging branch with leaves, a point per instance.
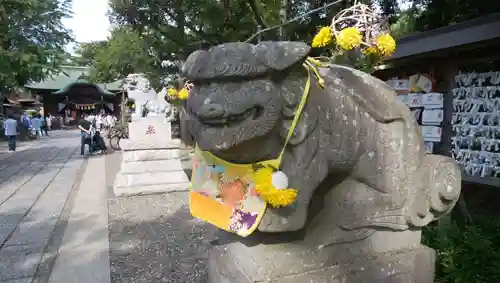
(322, 8)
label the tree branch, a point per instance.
(293, 20)
(256, 13)
(204, 36)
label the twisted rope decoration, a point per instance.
(370, 23)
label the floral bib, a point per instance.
(224, 194)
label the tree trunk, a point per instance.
(283, 18)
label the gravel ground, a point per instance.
(153, 238)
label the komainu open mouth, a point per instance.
(234, 119)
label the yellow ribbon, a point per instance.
(311, 65)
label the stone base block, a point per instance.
(150, 179)
(227, 266)
(131, 145)
(138, 167)
(152, 161)
(150, 155)
(154, 189)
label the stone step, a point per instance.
(150, 155)
(138, 167)
(131, 145)
(153, 189)
(150, 178)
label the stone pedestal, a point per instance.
(241, 262)
(151, 160)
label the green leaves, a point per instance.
(466, 253)
(33, 40)
(124, 53)
(175, 28)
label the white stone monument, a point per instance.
(151, 159)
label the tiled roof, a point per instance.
(465, 33)
(70, 75)
(115, 86)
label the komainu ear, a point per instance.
(282, 54)
(195, 61)
(306, 124)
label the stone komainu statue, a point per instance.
(365, 185)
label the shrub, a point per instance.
(466, 253)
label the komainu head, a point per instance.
(240, 95)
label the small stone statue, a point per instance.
(365, 187)
(139, 90)
(169, 108)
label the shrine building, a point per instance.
(70, 94)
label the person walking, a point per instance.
(26, 121)
(36, 124)
(48, 118)
(84, 125)
(105, 121)
(110, 121)
(44, 127)
(10, 126)
(99, 121)
(49, 122)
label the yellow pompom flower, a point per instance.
(386, 45)
(183, 94)
(322, 38)
(265, 188)
(349, 38)
(172, 92)
(372, 50)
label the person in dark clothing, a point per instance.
(45, 127)
(144, 110)
(98, 143)
(84, 127)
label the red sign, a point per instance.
(151, 130)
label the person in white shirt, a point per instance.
(49, 122)
(91, 119)
(111, 120)
(10, 126)
(104, 121)
(98, 122)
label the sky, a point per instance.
(89, 21)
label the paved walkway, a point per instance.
(54, 209)
(84, 253)
(35, 184)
